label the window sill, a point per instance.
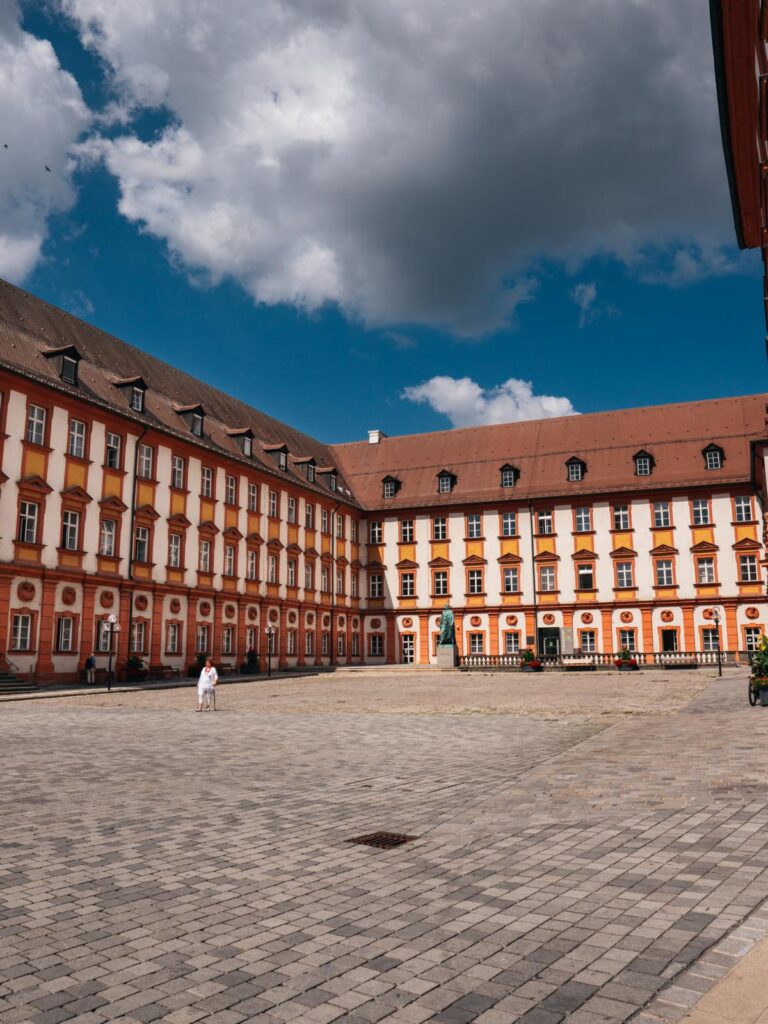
(114, 469)
(545, 592)
(440, 597)
(623, 589)
(583, 533)
(146, 480)
(179, 490)
(664, 586)
(509, 536)
(624, 529)
(541, 536)
(483, 594)
(79, 460)
(71, 551)
(699, 526)
(745, 522)
(37, 447)
(468, 539)
(588, 590)
(714, 583)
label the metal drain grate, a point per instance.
(383, 840)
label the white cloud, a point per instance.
(416, 162)
(467, 404)
(584, 294)
(42, 116)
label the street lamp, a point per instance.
(270, 631)
(114, 627)
(716, 620)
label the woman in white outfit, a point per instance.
(205, 684)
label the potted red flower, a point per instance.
(625, 662)
(530, 662)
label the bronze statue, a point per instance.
(447, 636)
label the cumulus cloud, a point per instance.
(415, 162)
(467, 404)
(42, 115)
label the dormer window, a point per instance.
(714, 457)
(193, 416)
(446, 481)
(66, 360)
(310, 473)
(278, 453)
(247, 446)
(333, 481)
(330, 477)
(282, 460)
(137, 399)
(69, 370)
(197, 424)
(644, 463)
(390, 486)
(243, 438)
(134, 388)
(576, 470)
(509, 475)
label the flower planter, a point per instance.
(531, 668)
(763, 691)
(626, 666)
(136, 675)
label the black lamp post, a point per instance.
(270, 631)
(716, 620)
(114, 627)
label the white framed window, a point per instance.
(586, 576)
(137, 399)
(661, 514)
(621, 517)
(546, 578)
(69, 370)
(508, 477)
(291, 572)
(76, 441)
(390, 488)
(252, 566)
(475, 581)
(309, 642)
(324, 520)
(700, 509)
(21, 632)
(113, 450)
(273, 507)
(575, 471)
(444, 484)
(291, 509)
(375, 532)
(406, 531)
(643, 465)
(588, 645)
(177, 472)
(36, 416)
(230, 490)
(141, 544)
(752, 637)
(748, 569)
(333, 481)
(508, 524)
(339, 526)
(354, 584)
(439, 528)
(743, 509)
(376, 645)
(282, 460)
(545, 522)
(477, 643)
(664, 574)
(253, 497)
(206, 482)
(625, 575)
(714, 458)
(709, 638)
(407, 584)
(309, 576)
(204, 556)
(70, 530)
(355, 645)
(583, 519)
(325, 581)
(511, 579)
(28, 514)
(197, 424)
(227, 639)
(229, 560)
(174, 550)
(290, 642)
(172, 638)
(309, 515)
(247, 446)
(511, 643)
(64, 634)
(474, 525)
(353, 530)
(339, 581)
(375, 585)
(340, 645)
(201, 639)
(145, 461)
(107, 532)
(705, 570)
(103, 636)
(440, 582)
(325, 643)
(627, 640)
(272, 569)
(138, 637)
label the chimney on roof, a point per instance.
(374, 436)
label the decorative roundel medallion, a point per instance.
(205, 607)
(291, 617)
(229, 611)
(26, 590)
(375, 623)
(141, 603)
(253, 614)
(475, 620)
(549, 619)
(355, 623)
(586, 617)
(407, 623)
(667, 616)
(626, 616)
(326, 620)
(107, 599)
(708, 613)
(175, 605)
(273, 615)
(310, 618)
(68, 596)
(511, 620)
(752, 613)
(342, 620)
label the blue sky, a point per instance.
(669, 310)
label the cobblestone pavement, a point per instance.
(157, 864)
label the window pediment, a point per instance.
(664, 549)
(474, 560)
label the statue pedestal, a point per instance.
(447, 656)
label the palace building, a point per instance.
(135, 496)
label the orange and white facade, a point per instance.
(130, 490)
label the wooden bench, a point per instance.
(576, 664)
(226, 669)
